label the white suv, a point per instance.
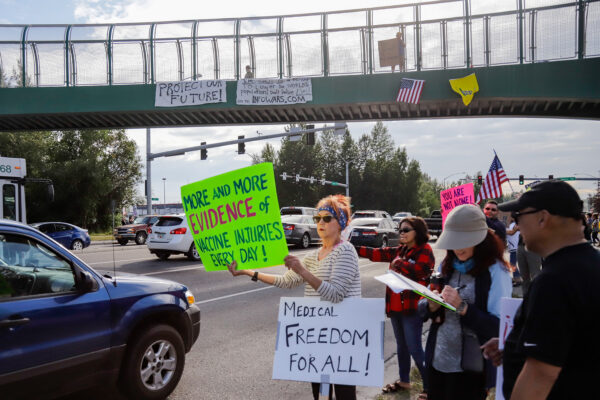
(171, 235)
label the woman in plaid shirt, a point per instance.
(413, 259)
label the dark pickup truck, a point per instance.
(434, 223)
(136, 231)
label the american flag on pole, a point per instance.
(492, 185)
(410, 91)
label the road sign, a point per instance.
(155, 199)
(567, 178)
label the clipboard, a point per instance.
(398, 283)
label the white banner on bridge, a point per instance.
(254, 92)
(319, 341)
(189, 93)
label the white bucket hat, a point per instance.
(465, 227)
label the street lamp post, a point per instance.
(347, 180)
(456, 173)
(164, 198)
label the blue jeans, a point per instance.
(408, 330)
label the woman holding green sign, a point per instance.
(330, 272)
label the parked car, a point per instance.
(66, 327)
(171, 235)
(300, 230)
(371, 214)
(136, 231)
(399, 216)
(434, 223)
(70, 236)
(298, 211)
(374, 232)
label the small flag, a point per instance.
(466, 87)
(410, 91)
(492, 185)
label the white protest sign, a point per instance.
(273, 91)
(319, 341)
(508, 309)
(189, 93)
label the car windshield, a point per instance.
(141, 220)
(363, 215)
(291, 211)
(169, 221)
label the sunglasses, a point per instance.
(490, 209)
(517, 214)
(405, 230)
(326, 218)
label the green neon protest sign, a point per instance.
(235, 216)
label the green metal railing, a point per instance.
(312, 44)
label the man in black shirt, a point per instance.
(551, 351)
(491, 212)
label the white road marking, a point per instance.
(119, 261)
(173, 270)
(234, 295)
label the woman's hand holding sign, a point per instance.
(233, 269)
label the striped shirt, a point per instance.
(338, 272)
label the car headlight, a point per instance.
(189, 296)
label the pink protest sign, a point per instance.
(456, 196)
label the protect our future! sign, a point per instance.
(235, 216)
(189, 93)
(319, 341)
(456, 196)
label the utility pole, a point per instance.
(347, 180)
(164, 196)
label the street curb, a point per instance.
(95, 242)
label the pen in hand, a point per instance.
(460, 287)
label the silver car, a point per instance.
(300, 230)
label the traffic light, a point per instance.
(480, 179)
(310, 136)
(203, 155)
(550, 177)
(521, 180)
(241, 146)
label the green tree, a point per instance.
(89, 169)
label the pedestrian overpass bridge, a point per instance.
(541, 61)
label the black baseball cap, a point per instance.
(556, 197)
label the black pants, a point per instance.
(342, 392)
(453, 386)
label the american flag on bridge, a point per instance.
(410, 91)
(492, 185)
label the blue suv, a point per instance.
(65, 327)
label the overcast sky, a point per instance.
(533, 147)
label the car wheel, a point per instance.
(163, 256)
(384, 242)
(192, 253)
(77, 245)
(122, 242)
(153, 364)
(305, 241)
(140, 238)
